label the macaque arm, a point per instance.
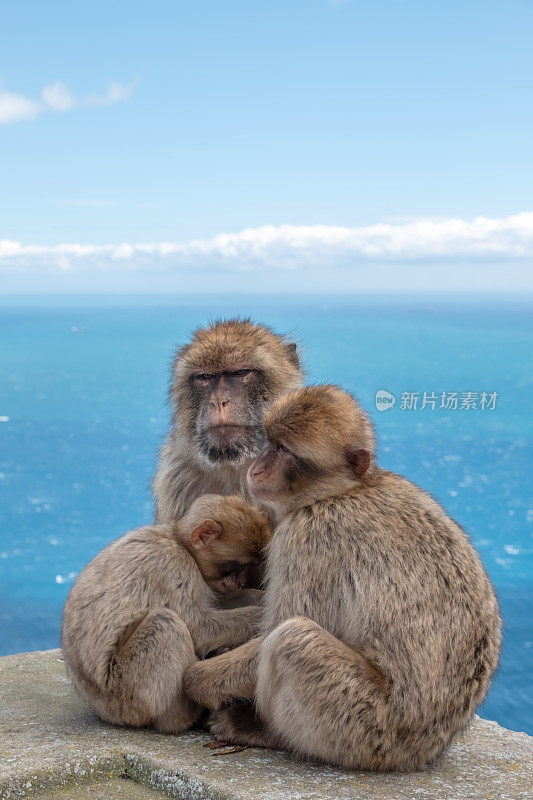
(226, 677)
(225, 628)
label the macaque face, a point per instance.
(282, 479)
(232, 577)
(230, 406)
(228, 571)
(277, 473)
(229, 555)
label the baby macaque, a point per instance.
(149, 605)
(381, 629)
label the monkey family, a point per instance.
(378, 632)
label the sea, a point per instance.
(448, 381)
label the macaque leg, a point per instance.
(146, 674)
(225, 628)
(223, 678)
(316, 697)
(322, 699)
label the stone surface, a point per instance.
(51, 746)
(105, 789)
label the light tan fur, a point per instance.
(381, 627)
(185, 472)
(147, 606)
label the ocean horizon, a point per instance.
(83, 412)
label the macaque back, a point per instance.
(401, 586)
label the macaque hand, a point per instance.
(227, 677)
(198, 684)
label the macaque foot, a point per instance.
(239, 724)
(225, 748)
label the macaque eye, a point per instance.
(204, 376)
(230, 568)
(241, 373)
(280, 448)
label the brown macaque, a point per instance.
(148, 606)
(222, 383)
(381, 629)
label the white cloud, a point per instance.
(292, 246)
(16, 107)
(57, 97)
(116, 93)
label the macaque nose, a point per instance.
(219, 403)
(256, 469)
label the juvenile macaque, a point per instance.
(222, 382)
(148, 606)
(381, 627)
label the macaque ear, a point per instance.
(205, 533)
(358, 460)
(292, 354)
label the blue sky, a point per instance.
(163, 122)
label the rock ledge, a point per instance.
(51, 746)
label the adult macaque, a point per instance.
(222, 383)
(381, 627)
(147, 606)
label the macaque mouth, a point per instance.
(263, 492)
(217, 454)
(229, 442)
(225, 425)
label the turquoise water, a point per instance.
(83, 385)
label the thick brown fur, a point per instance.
(381, 627)
(186, 469)
(147, 607)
